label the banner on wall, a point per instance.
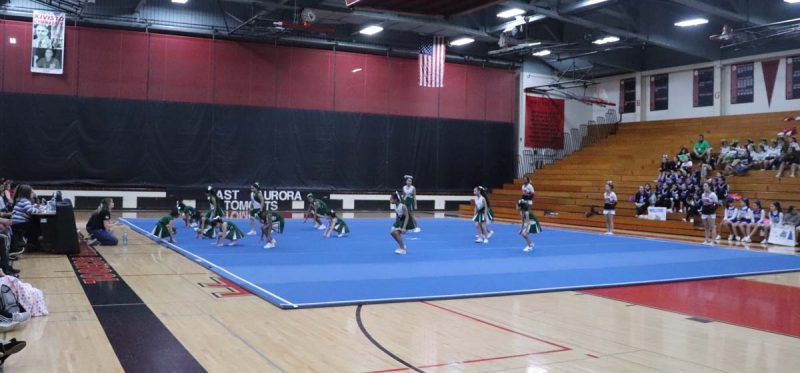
(544, 122)
(770, 71)
(47, 54)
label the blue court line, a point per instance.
(310, 271)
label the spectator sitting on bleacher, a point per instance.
(732, 155)
(774, 217)
(791, 161)
(702, 149)
(774, 154)
(684, 161)
(723, 151)
(641, 201)
(730, 218)
(759, 221)
(667, 165)
(792, 218)
(759, 157)
(744, 217)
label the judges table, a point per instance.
(57, 229)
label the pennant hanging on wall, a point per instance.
(770, 70)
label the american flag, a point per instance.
(431, 62)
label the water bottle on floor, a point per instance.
(125, 238)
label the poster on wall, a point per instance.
(703, 87)
(627, 95)
(544, 122)
(47, 54)
(742, 83)
(793, 78)
(659, 92)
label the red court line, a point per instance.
(560, 348)
(752, 304)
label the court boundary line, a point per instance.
(211, 265)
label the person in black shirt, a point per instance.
(99, 225)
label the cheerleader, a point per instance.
(189, 214)
(741, 229)
(214, 209)
(337, 224)
(774, 217)
(165, 226)
(730, 218)
(316, 208)
(482, 215)
(759, 221)
(402, 224)
(410, 199)
(270, 222)
(530, 224)
(256, 203)
(609, 207)
(708, 213)
(227, 230)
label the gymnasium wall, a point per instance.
(143, 109)
(680, 88)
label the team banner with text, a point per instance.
(47, 54)
(544, 122)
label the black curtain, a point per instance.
(106, 142)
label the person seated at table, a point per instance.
(99, 224)
(21, 219)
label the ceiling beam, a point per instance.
(719, 12)
(654, 39)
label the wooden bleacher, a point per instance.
(632, 157)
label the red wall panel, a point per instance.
(112, 64)
(476, 93)
(500, 95)
(244, 74)
(180, 69)
(364, 90)
(17, 64)
(3, 45)
(453, 99)
(305, 78)
(406, 97)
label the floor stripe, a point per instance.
(752, 304)
(140, 340)
(378, 345)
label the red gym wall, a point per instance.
(137, 65)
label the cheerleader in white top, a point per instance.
(482, 215)
(402, 223)
(708, 213)
(527, 191)
(609, 207)
(256, 204)
(730, 218)
(410, 199)
(774, 217)
(745, 217)
(759, 219)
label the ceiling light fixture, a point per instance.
(692, 22)
(542, 53)
(792, 1)
(510, 13)
(356, 70)
(519, 21)
(461, 41)
(592, 2)
(179, 1)
(606, 40)
(371, 30)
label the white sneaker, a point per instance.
(691, 220)
(730, 237)
(417, 230)
(251, 233)
(765, 241)
(609, 233)
(400, 251)
(491, 233)
(273, 242)
(747, 239)
(193, 225)
(718, 237)
(232, 243)
(269, 245)
(528, 249)
(322, 227)
(738, 239)
(708, 243)
(340, 235)
(478, 239)
(316, 225)
(485, 240)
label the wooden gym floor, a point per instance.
(199, 322)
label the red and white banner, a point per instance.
(544, 122)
